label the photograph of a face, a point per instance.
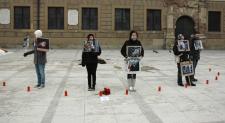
(198, 45)
(133, 65)
(183, 45)
(187, 68)
(43, 43)
(133, 51)
(89, 46)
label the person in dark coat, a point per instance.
(195, 54)
(90, 54)
(181, 57)
(133, 41)
(40, 59)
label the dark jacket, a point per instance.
(91, 57)
(184, 57)
(39, 56)
(131, 43)
(194, 54)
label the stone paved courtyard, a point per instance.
(204, 103)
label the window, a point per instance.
(89, 18)
(122, 19)
(21, 17)
(153, 20)
(55, 18)
(214, 21)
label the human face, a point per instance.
(134, 36)
(182, 37)
(91, 38)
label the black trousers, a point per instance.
(195, 62)
(179, 76)
(91, 70)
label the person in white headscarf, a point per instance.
(39, 59)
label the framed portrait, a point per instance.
(187, 68)
(183, 45)
(133, 65)
(133, 51)
(43, 43)
(91, 46)
(198, 45)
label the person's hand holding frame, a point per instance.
(42, 44)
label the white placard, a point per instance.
(72, 17)
(104, 98)
(4, 16)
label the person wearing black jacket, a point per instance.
(195, 54)
(181, 57)
(133, 41)
(90, 54)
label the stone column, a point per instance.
(202, 26)
(170, 28)
(202, 18)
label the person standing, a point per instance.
(181, 57)
(90, 54)
(195, 53)
(39, 59)
(132, 41)
(26, 42)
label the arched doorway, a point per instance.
(184, 25)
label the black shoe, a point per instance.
(43, 85)
(37, 86)
(93, 89)
(192, 84)
(180, 84)
(89, 89)
(194, 80)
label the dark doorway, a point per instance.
(184, 25)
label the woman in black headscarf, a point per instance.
(90, 54)
(133, 41)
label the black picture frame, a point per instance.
(133, 51)
(43, 43)
(187, 68)
(133, 65)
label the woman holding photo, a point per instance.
(132, 41)
(181, 57)
(90, 54)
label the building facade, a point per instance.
(67, 22)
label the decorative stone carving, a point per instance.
(182, 3)
(179, 3)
